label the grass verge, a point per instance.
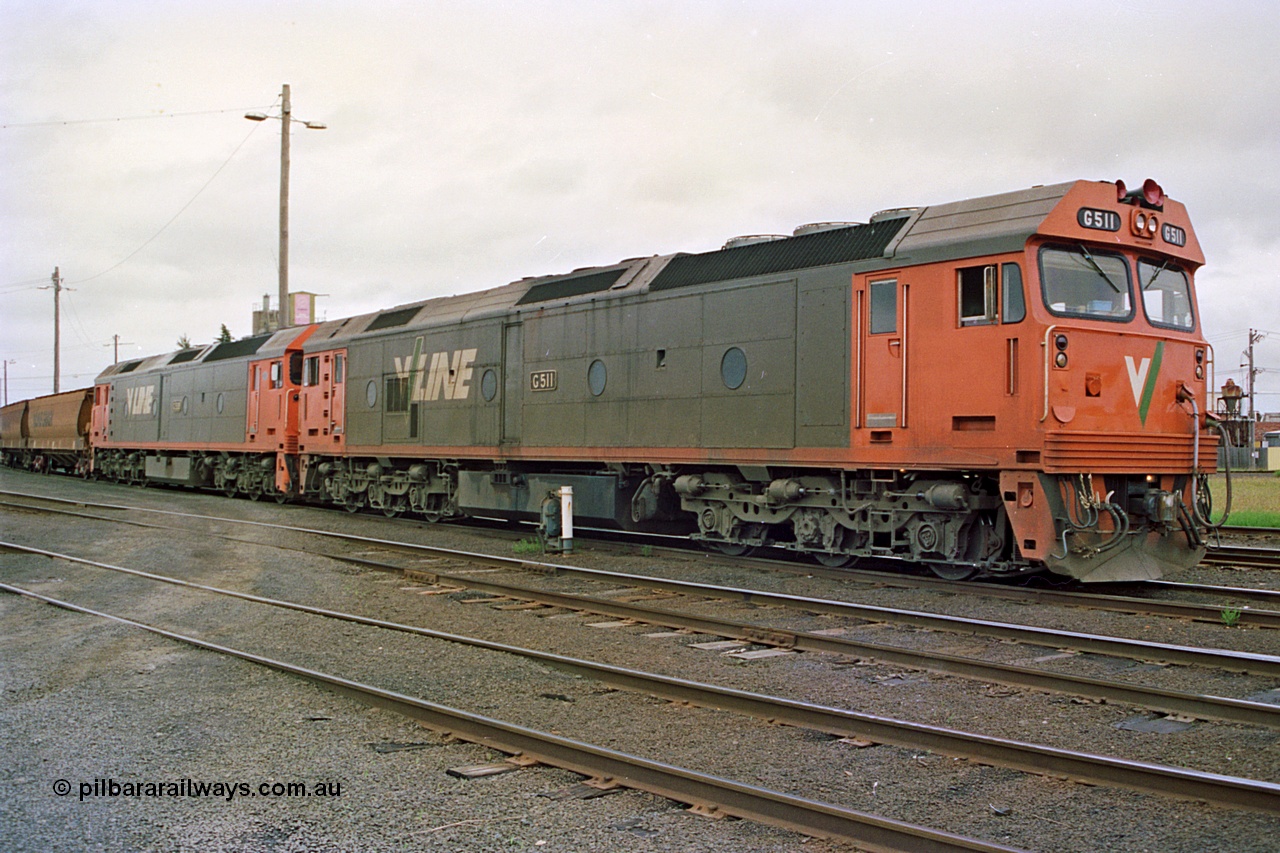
(1255, 499)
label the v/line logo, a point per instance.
(449, 374)
(140, 400)
(1142, 379)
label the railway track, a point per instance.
(1161, 780)
(603, 767)
(1244, 557)
(428, 558)
(1266, 665)
(580, 623)
(1248, 607)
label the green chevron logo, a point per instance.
(1142, 379)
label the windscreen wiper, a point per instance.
(1164, 266)
(1100, 271)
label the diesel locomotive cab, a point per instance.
(1125, 380)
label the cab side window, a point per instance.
(1015, 304)
(976, 287)
(990, 294)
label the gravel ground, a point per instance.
(84, 699)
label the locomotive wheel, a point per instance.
(281, 497)
(732, 549)
(952, 572)
(835, 561)
(392, 510)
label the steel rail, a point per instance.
(1234, 592)
(1167, 701)
(1254, 558)
(1258, 664)
(1261, 618)
(1200, 612)
(1268, 665)
(1200, 706)
(724, 796)
(1157, 779)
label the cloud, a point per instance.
(471, 144)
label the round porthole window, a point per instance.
(489, 385)
(371, 393)
(597, 376)
(733, 368)
(220, 402)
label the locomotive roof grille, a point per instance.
(235, 349)
(562, 288)
(185, 355)
(858, 243)
(130, 366)
(391, 319)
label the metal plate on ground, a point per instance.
(761, 654)
(1160, 725)
(479, 771)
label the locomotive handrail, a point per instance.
(1044, 345)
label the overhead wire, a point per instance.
(173, 218)
(64, 122)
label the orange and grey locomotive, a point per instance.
(1002, 385)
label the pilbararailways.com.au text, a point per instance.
(225, 790)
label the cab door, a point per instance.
(337, 395)
(256, 379)
(883, 355)
(322, 400)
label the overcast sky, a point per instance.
(473, 143)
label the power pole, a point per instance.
(286, 116)
(57, 329)
(1254, 337)
(57, 326)
(286, 119)
(115, 344)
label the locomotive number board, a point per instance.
(1100, 220)
(542, 380)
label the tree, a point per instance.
(184, 342)
(224, 336)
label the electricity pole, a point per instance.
(286, 118)
(1254, 337)
(115, 345)
(57, 325)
